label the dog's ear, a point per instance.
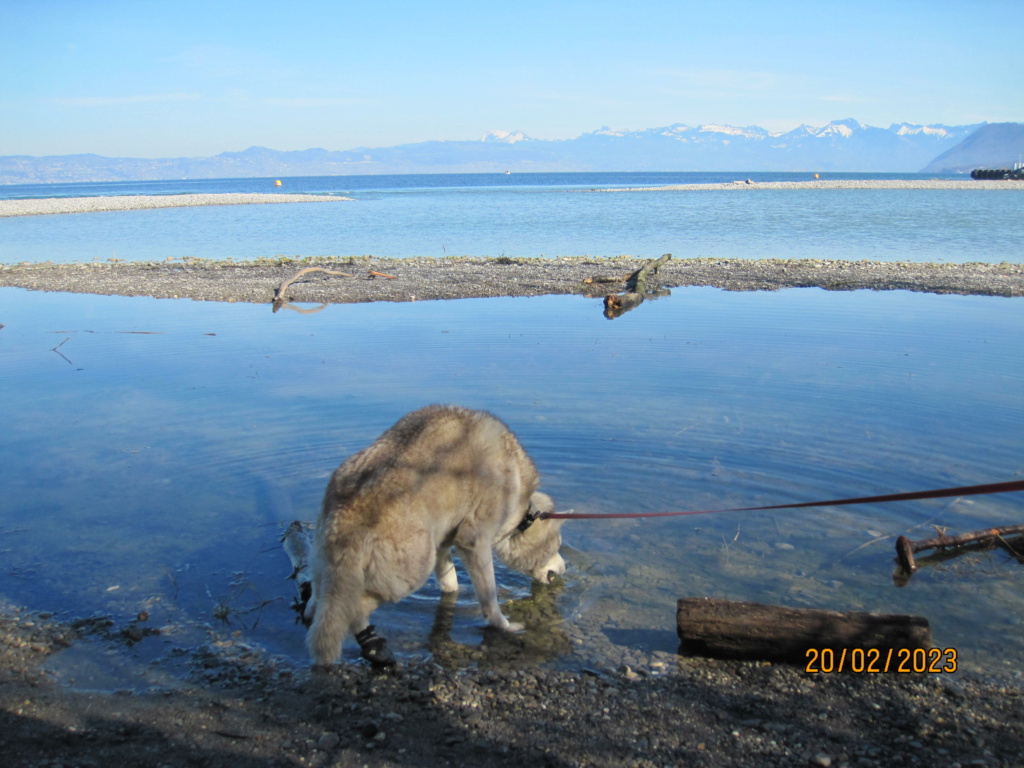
(541, 504)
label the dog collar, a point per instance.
(531, 516)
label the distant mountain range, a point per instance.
(842, 145)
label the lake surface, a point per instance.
(153, 450)
(528, 215)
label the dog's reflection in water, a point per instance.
(545, 639)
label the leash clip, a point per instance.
(533, 515)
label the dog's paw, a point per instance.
(374, 648)
(515, 627)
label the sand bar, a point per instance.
(46, 205)
(425, 278)
(832, 184)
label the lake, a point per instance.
(529, 215)
(153, 450)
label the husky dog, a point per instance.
(442, 477)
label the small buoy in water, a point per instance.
(815, 176)
(277, 183)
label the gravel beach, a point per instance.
(237, 707)
(419, 279)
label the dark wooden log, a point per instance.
(738, 630)
(279, 297)
(637, 282)
(906, 549)
(636, 289)
(619, 303)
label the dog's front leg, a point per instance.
(479, 561)
(444, 571)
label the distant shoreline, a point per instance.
(831, 184)
(53, 205)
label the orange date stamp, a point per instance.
(873, 661)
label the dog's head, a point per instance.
(533, 548)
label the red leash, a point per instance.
(966, 490)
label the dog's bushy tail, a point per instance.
(338, 608)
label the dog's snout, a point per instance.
(551, 571)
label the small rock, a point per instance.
(821, 759)
(327, 742)
(369, 730)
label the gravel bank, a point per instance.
(240, 708)
(453, 278)
(134, 202)
(835, 184)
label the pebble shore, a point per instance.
(51, 205)
(239, 707)
(426, 278)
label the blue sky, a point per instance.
(178, 78)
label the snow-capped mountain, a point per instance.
(841, 145)
(505, 137)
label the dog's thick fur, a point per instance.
(442, 477)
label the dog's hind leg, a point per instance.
(444, 571)
(341, 606)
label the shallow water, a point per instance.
(528, 215)
(153, 449)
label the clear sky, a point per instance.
(176, 78)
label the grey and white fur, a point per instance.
(443, 477)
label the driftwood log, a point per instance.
(636, 289)
(606, 279)
(279, 298)
(906, 549)
(298, 547)
(737, 630)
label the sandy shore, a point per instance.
(418, 279)
(47, 205)
(833, 184)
